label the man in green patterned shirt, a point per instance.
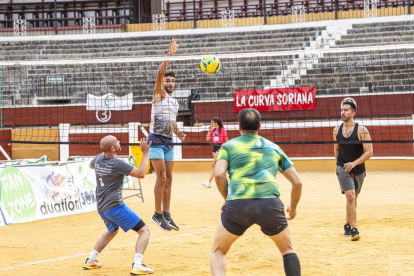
(252, 195)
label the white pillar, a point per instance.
(133, 133)
(64, 137)
(178, 150)
(5, 153)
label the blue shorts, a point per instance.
(161, 152)
(122, 216)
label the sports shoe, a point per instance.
(347, 228)
(207, 184)
(355, 234)
(160, 221)
(170, 221)
(141, 269)
(89, 264)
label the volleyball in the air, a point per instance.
(210, 65)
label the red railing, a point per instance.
(184, 11)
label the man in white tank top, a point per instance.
(164, 113)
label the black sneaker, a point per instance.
(170, 221)
(347, 228)
(160, 221)
(355, 234)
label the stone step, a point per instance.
(109, 47)
(382, 24)
(376, 40)
(390, 34)
(380, 53)
(219, 36)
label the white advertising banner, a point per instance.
(109, 102)
(2, 223)
(85, 180)
(29, 193)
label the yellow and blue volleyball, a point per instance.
(210, 65)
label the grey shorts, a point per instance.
(347, 181)
(238, 215)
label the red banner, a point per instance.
(276, 99)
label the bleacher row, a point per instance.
(334, 73)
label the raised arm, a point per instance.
(159, 92)
(292, 175)
(140, 172)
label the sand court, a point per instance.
(385, 220)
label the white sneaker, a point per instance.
(207, 184)
(91, 264)
(140, 269)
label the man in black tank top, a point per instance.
(350, 159)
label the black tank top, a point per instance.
(350, 152)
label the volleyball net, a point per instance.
(298, 94)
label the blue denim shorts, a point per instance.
(161, 152)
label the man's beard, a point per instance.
(345, 119)
(168, 91)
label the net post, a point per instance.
(178, 150)
(125, 21)
(336, 9)
(1, 105)
(194, 14)
(64, 130)
(133, 136)
(264, 12)
(409, 7)
(55, 19)
(5, 153)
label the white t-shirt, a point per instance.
(163, 116)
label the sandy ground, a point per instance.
(385, 217)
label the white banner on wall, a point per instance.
(31, 193)
(109, 102)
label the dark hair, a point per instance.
(249, 119)
(169, 74)
(353, 107)
(351, 102)
(219, 122)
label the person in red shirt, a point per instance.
(218, 135)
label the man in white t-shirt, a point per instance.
(164, 113)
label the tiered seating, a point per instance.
(139, 78)
(290, 39)
(373, 71)
(386, 33)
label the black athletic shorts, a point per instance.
(216, 148)
(238, 215)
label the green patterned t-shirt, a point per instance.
(253, 162)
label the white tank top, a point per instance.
(163, 116)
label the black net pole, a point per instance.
(194, 14)
(125, 21)
(55, 21)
